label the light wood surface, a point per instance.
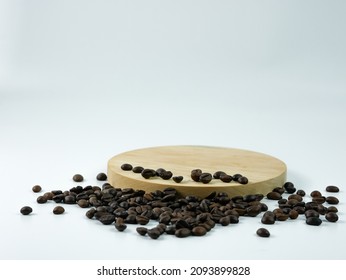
(264, 172)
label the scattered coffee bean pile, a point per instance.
(190, 215)
(197, 175)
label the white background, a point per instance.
(81, 81)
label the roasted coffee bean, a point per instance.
(107, 219)
(170, 230)
(289, 187)
(83, 203)
(217, 174)
(142, 220)
(293, 214)
(58, 210)
(120, 227)
(315, 194)
(233, 219)
(58, 198)
(253, 211)
(181, 224)
(243, 180)
(142, 230)
(301, 193)
(195, 174)
(131, 219)
(263, 232)
(137, 169)
(90, 213)
(331, 217)
(274, 195)
(313, 221)
(148, 173)
(311, 213)
(182, 232)
(332, 209)
(225, 221)
(70, 199)
(268, 219)
(332, 189)
(205, 178)
(319, 199)
(41, 199)
(126, 167)
(225, 178)
(154, 233)
(49, 195)
(26, 210)
(296, 197)
(166, 175)
(199, 231)
(279, 190)
(36, 188)
(101, 177)
(77, 178)
(332, 200)
(177, 179)
(282, 201)
(281, 217)
(299, 209)
(322, 210)
(161, 227)
(236, 176)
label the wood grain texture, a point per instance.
(263, 171)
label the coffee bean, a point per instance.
(137, 169)
(41, 199)
(225, 221)
(142, 230)
(126, 167)
(268, 218)
(26, 210)
(107, 219)
(319, 199)
(166, 175)
(225, 178)
(281, 217)
(293, 214)
(274, 195)
(311, 213)
(279, 190)
(36, 188)
(154, 233)
(296, 197)
(243, 180)
(182, 232)
(331, 217)
(177, 179)
(315, 194)
(236, 176)
(101, 177)
(70, 199)
(148, 173)
(199, 231)
(77, 178)
(120, 227)
(313, 221)
(58, 210)
(263, 232)
(90, 213)
(254, 210)
(332, 209)
(83, 203)
(301, 193)
(217, 174)
(332, 200)
(195, 174)
(142, 220)
(205, 178)
(332, 189)
(48, 195)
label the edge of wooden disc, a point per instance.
(263, 171)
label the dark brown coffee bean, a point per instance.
(268, 219)
(254, 210)
(58, 210)
(332, 217)
(195, 174)
(170, 230)
(206, 226)
(301, 193)
(83, 203)
(293, 214)
(126, 167)
(313, 221)
(217, 174)
(120, 227)
(281, 217)
(233, 219)
(332, 209)
(311, 213)
(279, 190)
(90, 213)
(142, 230)
(332, 189)
(315, 194)
(205, 178)
(296, 197)
(225, 221)
(274, 195)
(199, 231)
(177, 179)
(77, 178)
(137, 169)
(26, 210)
(107, 219)
(243, 180)
(131, 219)
(148, 173)
(322, 210)
(48, 195)
(289, 187)
(319, 199)
(225, 178)
(36, 188)
(154, 233)
(182, 232)
(332, 200)
(70, 199)
(236, 176)
(166, 175)
(41, 199)
(101, 177)
(142, 220)
(263, 232)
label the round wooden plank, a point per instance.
(264, 172)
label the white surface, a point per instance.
(81, 81)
